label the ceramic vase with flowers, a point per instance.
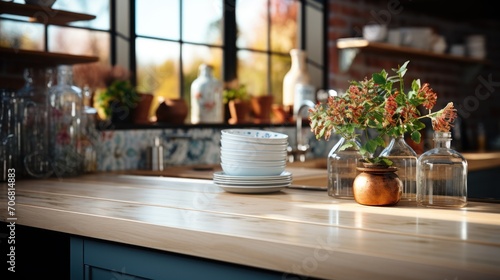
(375, 105)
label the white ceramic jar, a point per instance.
(206, 97)
(296, 75)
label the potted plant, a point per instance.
(378, 105)
(117, 101)
(235, 96)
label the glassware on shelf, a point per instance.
(405, 159)
(8, 129)
(206, 97)
(342, 165)
(34, 129)
(442, 175)
(65, 118)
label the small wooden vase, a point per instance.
(377, 186)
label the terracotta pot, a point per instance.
(261, 108)
(377, 186)
(240, 111)
(172, 111)
(140, 113)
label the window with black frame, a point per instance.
(247, 40)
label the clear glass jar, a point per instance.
(206, 97)
(34, 130)
(405, 159)
(65, 118)
(342, 168)
(442, 175)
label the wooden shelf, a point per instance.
(41, 58)
(42, 14)
(350, 47)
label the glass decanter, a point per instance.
(65, 118)
(442, 175)
(342, 164)
(405, 159)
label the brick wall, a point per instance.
(471, 87)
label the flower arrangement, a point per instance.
(380, 103)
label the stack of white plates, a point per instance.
(251, 156)
(252, 184)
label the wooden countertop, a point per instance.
(293, 231)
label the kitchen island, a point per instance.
(178, 228)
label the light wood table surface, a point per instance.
(293, 231)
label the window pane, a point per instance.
(79, 42)
(284, 25)
(27, 36)
(158, 69)
(100, 9)
(251, 21)
(158, 18)
(252, 72)
(202, 21)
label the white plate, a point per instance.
(252, 183)
(237, 145)
(223, 175)
(262, 189)
(239, 170)
(254, 136)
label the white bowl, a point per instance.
(253, 155)
(253, 163)
(237, 170)
(254, 136)
(375, 32)
(248, 146)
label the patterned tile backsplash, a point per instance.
(127, 149)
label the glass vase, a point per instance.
(405, 159)
(342, 168)
(65, 119)
(442, 175)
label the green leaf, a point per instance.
(346, 145)
(415, 136)
(378, 79)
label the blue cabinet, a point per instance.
(101, 260)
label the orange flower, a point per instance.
(430, 97)
(444, 118)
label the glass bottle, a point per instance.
(405, 159)
(442, 175)
(65, 117)
(342, 164)
(8, 129)
(296, 75)
(34, 129)
(206, 97)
